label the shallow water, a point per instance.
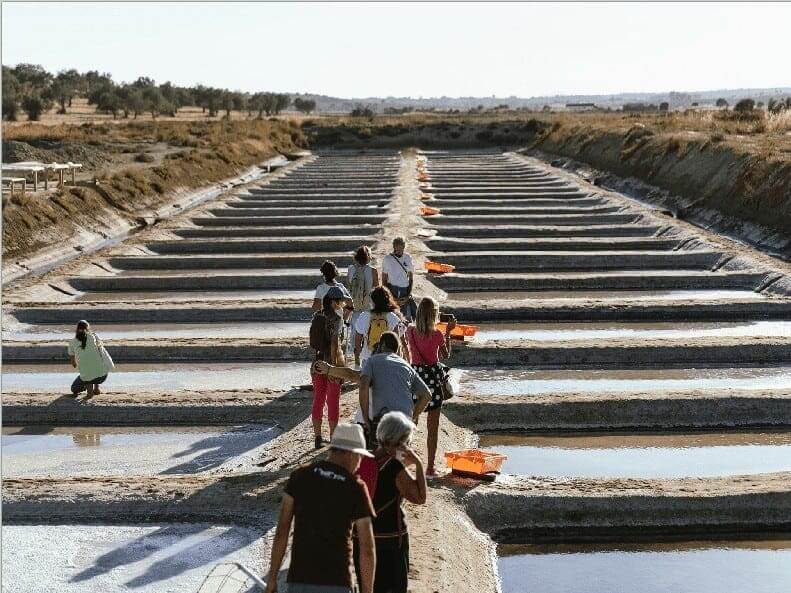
(36, 333)
(127, 450)
(700, 567)
(607, 295)
(547, 382)
(262, 294)
(208, 271)
(161, 377)
(642, 455)
(166, 558)
(558, 331)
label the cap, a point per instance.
(350, 437)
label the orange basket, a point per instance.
(426, 211)
(460, 331)
(474, 461)
(423, 177)
(438, 268)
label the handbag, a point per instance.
(448, 388)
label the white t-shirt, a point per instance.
(323, 288)
(363, 323)
(395, 273)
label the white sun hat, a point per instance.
(350, 437)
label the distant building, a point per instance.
(581, 107)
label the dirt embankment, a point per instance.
(428, 133)
(722, 184)
(131, 169)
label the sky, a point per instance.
(410, 49)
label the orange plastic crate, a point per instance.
(475, 461)
(460, 331)
(426, 211)
(438, 268)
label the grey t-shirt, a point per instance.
(393, 383)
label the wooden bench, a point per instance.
(35, 167)
(11, 182)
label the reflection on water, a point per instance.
(607, 295)
(597, 331)
(616, 455)
(197, 295)
(164, 330)
(161, 377)
(696, 567)
(546, 382)
(40, 438)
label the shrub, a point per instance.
(775, 106)
(144, 157)
(744, 106)
(34, 105)
(717, 137)
(10, 107)
(305, 105)
(361, 110)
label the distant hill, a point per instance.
(325, 103)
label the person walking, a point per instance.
(384, 316)
(398, 275)
(370, 325)
(326, 340)
(391, 483)
(324, 500)
(87, 354)
(330, 272)
(389, 384)
(427, 345)
(362, 279)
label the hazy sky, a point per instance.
(358, 50)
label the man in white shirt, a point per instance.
(398, 275)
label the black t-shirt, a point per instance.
(327, 501)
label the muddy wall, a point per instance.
(440, 134)
(713, 184)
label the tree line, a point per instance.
(30, 88)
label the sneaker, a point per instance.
(319, 442)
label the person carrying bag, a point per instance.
(427, 345)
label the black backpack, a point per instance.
(319, 333)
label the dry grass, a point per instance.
(779, 123)
(191, 154)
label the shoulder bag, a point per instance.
(447, 386)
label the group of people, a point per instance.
(346, 510)
(396, 347)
